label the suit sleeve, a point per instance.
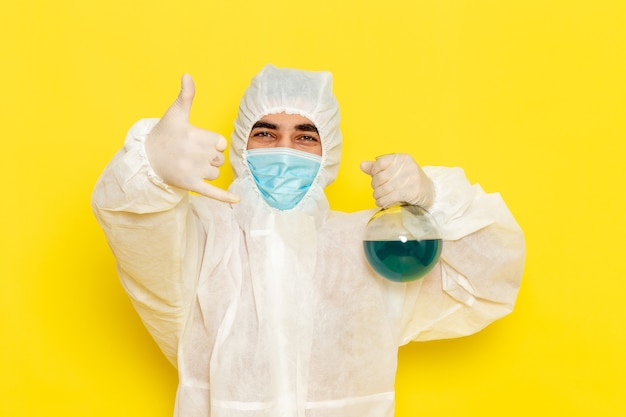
(149, 227)
(480, 270)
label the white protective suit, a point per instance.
(270, 313)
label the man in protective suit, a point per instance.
(260, 295)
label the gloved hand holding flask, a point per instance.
(402, 241)
(397, 178)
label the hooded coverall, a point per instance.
(269, 313)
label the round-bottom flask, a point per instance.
(402, 242)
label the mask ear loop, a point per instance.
(250, 176)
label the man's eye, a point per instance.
(262, 134)
(309, 138)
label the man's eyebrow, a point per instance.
(265, 125)
(307, 127)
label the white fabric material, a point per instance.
(276, 313)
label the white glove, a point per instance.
(397, 178)
(184, 155)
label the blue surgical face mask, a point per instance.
(283, 175)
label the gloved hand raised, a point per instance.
(184, 155)
(397, 178)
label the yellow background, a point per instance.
(528, 96)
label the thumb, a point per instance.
(182, 105)
(366, 166)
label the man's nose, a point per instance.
(284, 142)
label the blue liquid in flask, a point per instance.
(402, 261)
